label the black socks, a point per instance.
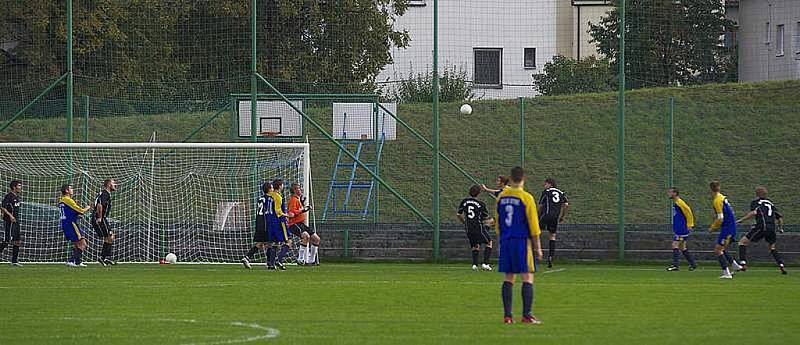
(487, 254)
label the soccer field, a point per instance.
(372, 303)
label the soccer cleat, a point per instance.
(783, 269)
(673, 268)
(726, 275)
(743, 266)
(71, 264)
(486, 267)
(280, 266)
(16, 264)
(102, 262)
(736, 266)
(692, 268)
(246, 263)
(531, 319)
(474, 267)
(81, 264)
(549, 262)
(508, 319)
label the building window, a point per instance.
(779, 40)
(767, 33)
(488, 67)
(797, 40)
(530, 58)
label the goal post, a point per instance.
(196, 200)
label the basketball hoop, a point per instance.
(268, 134)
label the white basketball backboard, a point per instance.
(356, 121)
(272, 116)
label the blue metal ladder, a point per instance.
(334, 207)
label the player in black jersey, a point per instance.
(475, 216)
(10, 210)
(102, 208)
(260, 236)
(553, 208)
(766, 215)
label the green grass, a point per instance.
(743, 134)
(370, 303)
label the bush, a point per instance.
(418, 88)
(564, 76)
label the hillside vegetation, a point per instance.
(742, 134)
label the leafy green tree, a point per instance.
(564, 76)
(668, 42)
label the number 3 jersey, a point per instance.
(551, 201)
(517, 217)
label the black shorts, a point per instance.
(12, 232)
(298, 228)
(261, 233)
(756, 233)
(550, 223)
(478, 236)
(101, 228)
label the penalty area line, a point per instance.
(555, 270)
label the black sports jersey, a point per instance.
(103, 199)
(11, 203)
(474, 212)
(261, 221)
(550, 202)
(766, 212)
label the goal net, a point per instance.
(194, 200)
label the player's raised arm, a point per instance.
(687, 213)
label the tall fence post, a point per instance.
(522, 131)
(670, 149)
(69, 72)
(253, 72)
(86, 119)
(621, 135)
(436, 149)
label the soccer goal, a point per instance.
(194, 200)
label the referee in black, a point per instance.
(102, 208)
(10, 209)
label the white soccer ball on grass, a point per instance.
(171, 258)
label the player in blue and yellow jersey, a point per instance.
(277, 226)
(682, 224)
(502, 184)
(517, 226)
(725, 223)
(70, 213)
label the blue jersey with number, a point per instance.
(516, 215)
(275, 210)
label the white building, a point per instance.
(768, 37)
(500, 44)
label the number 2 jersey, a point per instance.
(474, 212)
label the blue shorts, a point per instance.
(277, 232)
(517, 256)
(72, 232)
(680, 238)
(726, 236)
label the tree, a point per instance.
(194, 50)
(668, 42)
(564, 76)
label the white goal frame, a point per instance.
(305, 147)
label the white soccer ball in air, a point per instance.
(466, 109)
(171, 258)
